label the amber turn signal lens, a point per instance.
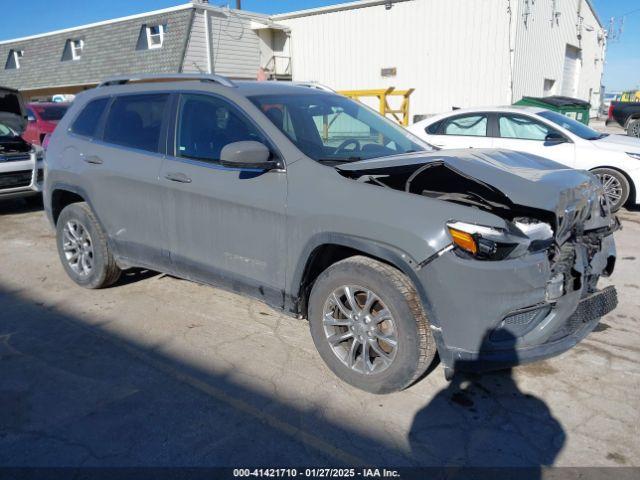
(464, 240)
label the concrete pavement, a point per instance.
(158, 371)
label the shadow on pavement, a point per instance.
(486, 421)
(15, 206)
(79, 395)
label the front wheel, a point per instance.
(369, 326)
(616, 186)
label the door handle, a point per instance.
(177, 177)
(94, 160)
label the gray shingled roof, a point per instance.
(109, 49)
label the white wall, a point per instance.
(454, 52)
(540, 47)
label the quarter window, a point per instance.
(135, 121)
(473, 126)
(207, 124)
(523, 128)
(87, 122)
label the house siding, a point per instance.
(108, 50)
(235, 46)
(196, 57)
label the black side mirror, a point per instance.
(247, 154)
(555, 137)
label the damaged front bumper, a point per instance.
(492, 315)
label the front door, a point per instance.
(225, 226)
(526, 134)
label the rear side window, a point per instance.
(135, 121)
(86, 123)
(473, 125)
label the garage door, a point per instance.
(571, 72)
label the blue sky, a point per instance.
(23, 18)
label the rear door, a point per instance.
(122, 166)
(469, 130)
(527, 134)
(225, 225)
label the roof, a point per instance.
(275, 88)
(364, 4)
(462, 111)
(110, 48)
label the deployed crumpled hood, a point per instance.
(621, 143)
(12, 110)
(525, 179)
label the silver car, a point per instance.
(393, 251)
(21, 164)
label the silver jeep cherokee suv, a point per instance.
(320, 207)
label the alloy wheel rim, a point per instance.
(635, 131)
(78, 248)
(360, 330)
(612, 188)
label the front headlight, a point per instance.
(491, 243)
(634, 155)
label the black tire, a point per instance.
(104, 271)
(633, 129)
(415, 348)
(622, 190)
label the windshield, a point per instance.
(575, 127)
(332, 128)
(51, 113)
(6, 131)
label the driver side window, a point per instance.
(207, 124)
(522, 128)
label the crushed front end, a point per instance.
(500, 296)
(494, 313)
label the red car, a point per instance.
(43, 118)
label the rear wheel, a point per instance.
(369, 326)
(633, 129)
(616, 186)
(83, 248)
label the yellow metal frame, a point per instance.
(384, 108)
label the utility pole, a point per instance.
(239, 4)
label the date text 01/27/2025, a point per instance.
(315, 473)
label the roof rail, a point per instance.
(151, 77)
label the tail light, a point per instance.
(610, 113)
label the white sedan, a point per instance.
(614, 158)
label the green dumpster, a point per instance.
(571, 107)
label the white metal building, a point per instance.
(455, 53)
